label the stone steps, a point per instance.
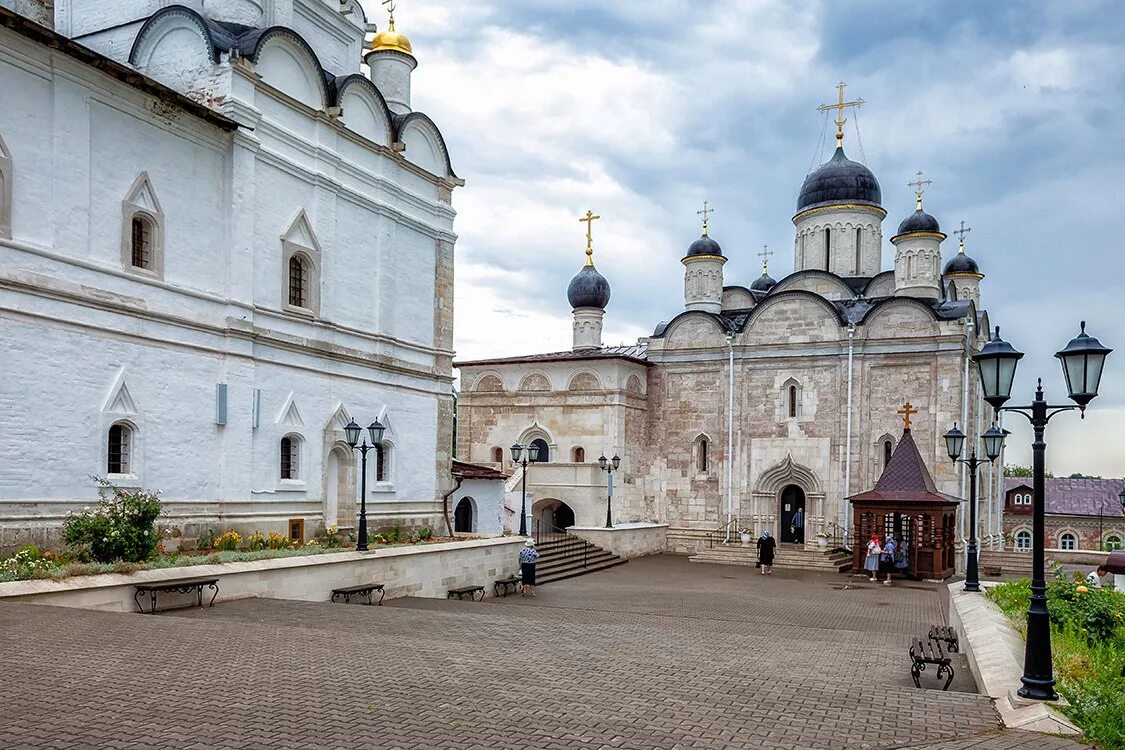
(786, 557)
(1008, 562)
(560, 559)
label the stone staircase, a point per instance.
(566, 556)
(788, 557)
(1010, 563)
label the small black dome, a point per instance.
(704, 246)
(763, 283)
(960, 263)
(839, 180)
(588, 288)
(919, 221)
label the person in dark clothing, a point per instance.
(766, 546)
(799, 525)
(528, 557)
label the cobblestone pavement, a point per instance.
(654, 654)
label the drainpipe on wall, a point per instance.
(730, 433)
(848, 438)
(445, 505)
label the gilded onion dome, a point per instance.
(391, 40)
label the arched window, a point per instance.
(290, 457)
(381, 455)
(702, 454)
(298, 282)
(888, 451)
(497, 455)
(1023, 540)
(791, 396)
(858, 249)
(579, 456)
(544, 451)
(142, 229)
(1068, 541)
(1112, 543)
(827, 248)
(120, 449)
(141, 243)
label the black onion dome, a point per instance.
(919, 221)
(763, 283)
(840, 180)
(588, 288)
(961, 263)
(704, 246)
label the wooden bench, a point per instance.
(946, 634)
(181, 585)
(925, 652)
(362, 589)
(470, 590)
(506, 584)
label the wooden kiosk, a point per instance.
(905, 504)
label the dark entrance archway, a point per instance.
(463, 516)
(564, 516)
(792, 498)
(544, 452)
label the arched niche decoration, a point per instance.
(633, 384)
(535, 381)
(363, 109)
(286, 62)
(488, 383)
(898, 317)
(424, 145)
(584, 381)
(176, 47)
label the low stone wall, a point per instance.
(627, 539)
(426, 570)
(994, 650)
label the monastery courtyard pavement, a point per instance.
(657, 653)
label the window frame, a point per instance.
(125, 449)
(301, 228)
(578, 455)
(1022, 534)
(132, 209)
(1063, 543)
(6, 199)
(297, 464)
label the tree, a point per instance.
(1077, 475)
(1015, 470)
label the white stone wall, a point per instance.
(809, 243)
(487, 498)
(80, 323)
(703, 283)
(918, 266)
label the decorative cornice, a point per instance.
(877, 210)
(939, 236)
(977, 276)
(691, 258)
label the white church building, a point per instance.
(224, 233)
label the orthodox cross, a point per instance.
(590, 218)
(706, 210)
(919, 186)
(390, 6)
(906, 410)
(839, 107)
(961, 234)
(765, 256)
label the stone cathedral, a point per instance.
(750, 401)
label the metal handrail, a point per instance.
(720, 534)
(838, 537)
(564, 546)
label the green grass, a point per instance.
(1088, 649)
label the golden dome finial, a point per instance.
(589, 219)
(391, 40)
(919, 186)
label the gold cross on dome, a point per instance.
(839, 107)
(765, 256)
(919, 186)
(706, 210)
(961, 234)
(906, 410)
(590, 218)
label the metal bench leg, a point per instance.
(382, 593)
(915, 672)
(368, 592)
(481, 595)
(213, 586)
(136, 598)
(199, 596)
(152, 594)
(946, 668)
(334, 595)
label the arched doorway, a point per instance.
(339, 499)
(463, 516)
(544, 452)
(552, 517)
(792, 499)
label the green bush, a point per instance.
(425, 534)
(121, 527)
(28, 562)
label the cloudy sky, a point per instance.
(641, 109)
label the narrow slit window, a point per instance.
(120, 438)
(380, 464)
(888, 449)
(141, 242)
(858, 249)
(289, 467)
(827, 247)
(792, 401)
(297, 283)
(703, 455)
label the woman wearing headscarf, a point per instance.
(528, 557)
(766, 546)
(871, 562)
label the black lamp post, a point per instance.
(993, 440)
(351, 432)
(1082, 361)
(609, 465)
(523, 455)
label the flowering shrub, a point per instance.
(121, 527)
(27, 563)
(278, 541)
(228, 541)
(255, 541)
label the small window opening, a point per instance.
(119, 444)
(141, 242)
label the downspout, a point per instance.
(730, 433)
(445, 505)
(848, 438)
